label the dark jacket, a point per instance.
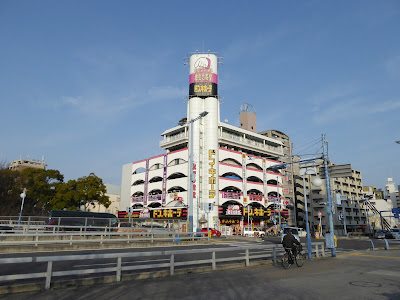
(289, 240)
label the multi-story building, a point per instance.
(354, 209)
(113, 192)
(391, 193)
(288, 180)
(20, 164)
(230, 165)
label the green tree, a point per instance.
(67, 196)
(88, 191)
(10, 189)
(41, 186)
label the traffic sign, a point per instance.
(319, 214)
(396, 210)
(396, 216)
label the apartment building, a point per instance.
(352, 211)
(21, 164)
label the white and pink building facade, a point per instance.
(230, 164)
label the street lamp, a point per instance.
(22, 195)
(192, 175)
(316, 182)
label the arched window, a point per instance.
(231, 189)
(176, 189)
(253, 166)
(232, 175)
(176, 175)
(156, 167)
(231, 161)
(254, 179)
(155, 192)
(155, 179)
(138, 182)
(254, 192)
(273, 194)
(177, 161)
(272, 181)
(139, 170)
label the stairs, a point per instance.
(385, 223)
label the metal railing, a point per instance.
(83, 237)
(271, 252)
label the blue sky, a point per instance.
(91, 85)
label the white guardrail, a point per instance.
(271, 252)
(36, 238)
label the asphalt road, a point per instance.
(353, 275)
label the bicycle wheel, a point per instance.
(285, 261)
(299, 259)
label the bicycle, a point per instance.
(288, 258)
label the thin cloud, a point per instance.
(98, 105)
(332, 95)
(384, 107)
(352, 108)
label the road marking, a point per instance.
(368, 255)
(385, 272)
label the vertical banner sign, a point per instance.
(264, 167)
(244, 178)
(164, 183)
(203, 78)
(146, 182)
(211, 172)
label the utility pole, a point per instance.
(329, 207)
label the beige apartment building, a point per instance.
(21, 164)
(351, 207)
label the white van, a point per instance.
(302, 232)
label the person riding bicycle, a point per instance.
(289, 242)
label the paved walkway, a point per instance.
(353, 275)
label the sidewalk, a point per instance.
(361, 274)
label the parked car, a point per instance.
(6, 229)
(396, 233)
(381, 234)
(295, 232)
(256, 232)
(213, 231)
